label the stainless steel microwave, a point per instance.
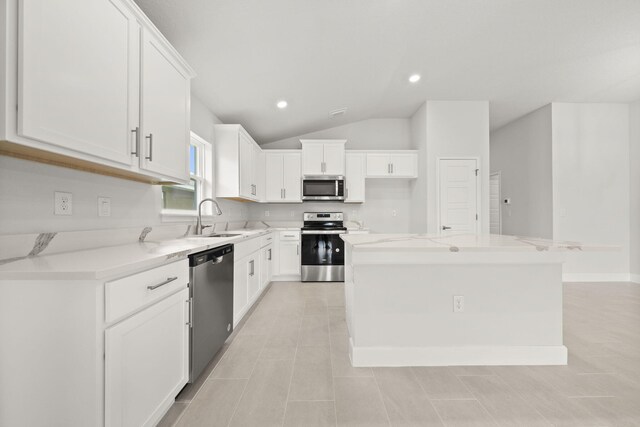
(323, 187)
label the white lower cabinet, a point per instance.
(146, 362)
(94, 352)
(251, 274)
(289, 258)
(266, 265)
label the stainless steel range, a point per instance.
(322, 254)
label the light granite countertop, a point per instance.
(463, 243)
(113, 261)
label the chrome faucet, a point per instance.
(199, 226)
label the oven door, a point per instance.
(323, 188)
(322, 256)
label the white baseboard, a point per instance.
(457, 356)
(286, 278)
(596, 277)
(635, 278)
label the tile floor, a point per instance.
(287, 365)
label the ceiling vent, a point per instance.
(338, 112)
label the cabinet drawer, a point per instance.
(290, 235)
(266, 240)
(246, 247)
(126, 295)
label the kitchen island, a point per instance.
(422, 300)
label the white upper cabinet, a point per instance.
(98, 88)
(283, 176)
(291, 177)
(354, 177)
(165, 112)
(392, 164)
(78, 74)
(259, 174)
(323, 156)
(239, 164)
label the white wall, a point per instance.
(372, 134)
(382, 197)
(457, 129)
(591, 186)
(419, 202)
(26, 194)
(521, 152)
(634, 166)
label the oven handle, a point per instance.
(323, 232)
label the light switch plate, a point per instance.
(104, 206)
(62, 203)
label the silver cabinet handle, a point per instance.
(297, 249)
(169, 280)
(137, 141)
(285, 193)
(252, 271)
(444, 227)
(150, 138)
(391, 167)
(388, 167)
(269, 258)
(346, 193)
(190, 322)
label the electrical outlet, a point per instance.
(458, 304)
(104, 206)
(266, 214)
(63, 203)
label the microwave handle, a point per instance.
(336, 187)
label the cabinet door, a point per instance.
(354, 177)
(259, 174)
(146, 362)
(404, 165)
(78, 76)
(240, 286)
(165, 112)
(266, 266)
(289, 257)
(378, 165)
(312, 158)
(245, 164)
(253, 275)
(334, 159)
(291, 177)
(273, 175)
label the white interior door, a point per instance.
(458, 201)
(495, 217)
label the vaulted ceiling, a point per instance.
(321, 55)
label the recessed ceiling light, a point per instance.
(414, 78)
(282, 104)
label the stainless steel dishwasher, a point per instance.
(211, 293)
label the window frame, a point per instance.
(203, 178)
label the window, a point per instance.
(184, 198)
